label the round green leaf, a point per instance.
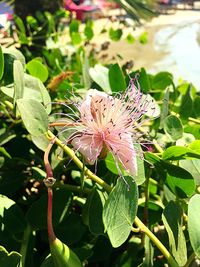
(34, 116)
(193, 223)
(173, 127)
(37, 69)
(162, 80)
(115, 35)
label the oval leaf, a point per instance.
(120, 210)
(193, 223)
(116, 78)
(34, 116)
(18, 74)
(173, 127)
(37, 69)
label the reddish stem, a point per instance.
(51, 234)
(49, 181)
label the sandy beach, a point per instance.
(173, 44)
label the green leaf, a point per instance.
(186, 104)
(76, 38)
(143, 38)
(4, 153)
(88, 31)
(93, 211)
(195, 146)
(194, 166)
(196, 106)
(193, 223)
(21, 30)
(16, 54)
(11, 215)
(120, 210)
(99, 74)
(144, 81)
(45, 97)
(164, 109)
(18, 74)
(130, 38)
(179, 152)
(40, 141)
(179, 181)
(34, 116)
(61, 202)
(1, 63)
(11, 259)
(162, 80)
(74, 26)
(116, 78)
(173, 127)
(115, 35)
(172, 219)
(62, 255)
(37, 69)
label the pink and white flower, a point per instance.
(110, 123)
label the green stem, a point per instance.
(108, 188)
(25, 244)
(72, 155)
(190, 260)
(157, 242)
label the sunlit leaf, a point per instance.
(34, 116)
(37, 69)
(120, 210)
(173, 127)
(115, 35)
(18, 74)
(193, 223)
(99, 74)
(116, 78)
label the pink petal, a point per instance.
(123, 150)
(89, 146)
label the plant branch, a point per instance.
(108, 188)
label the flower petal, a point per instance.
(123, 150)
(89, 146)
